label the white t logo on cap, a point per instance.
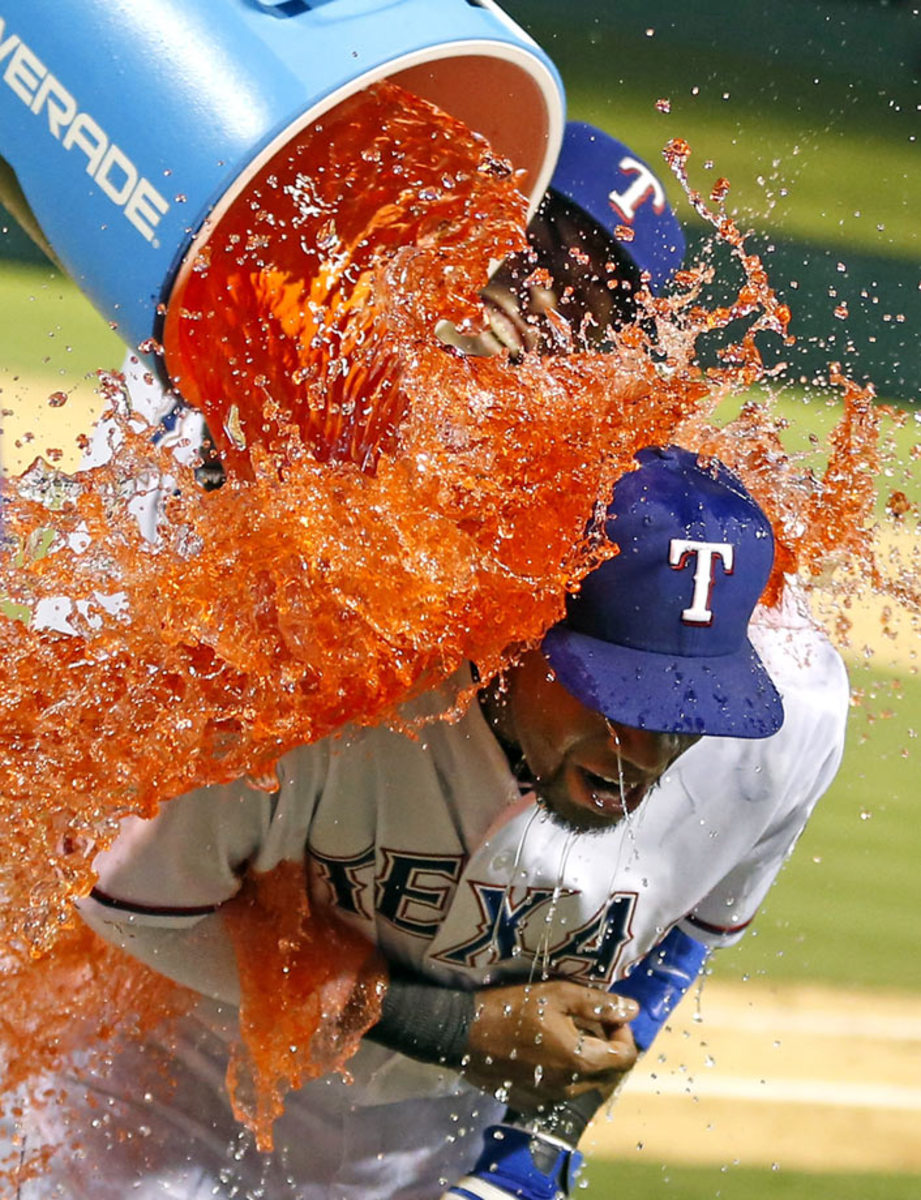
(679, 551)
(627, 202)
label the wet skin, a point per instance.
(566, 292)
(590, 772)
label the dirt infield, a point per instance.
(804, 1077)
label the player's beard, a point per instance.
(616, 801)
(554, 798)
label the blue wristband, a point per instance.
(658, 981)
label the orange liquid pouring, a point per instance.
(391, 509)
(281, 330)
(310, 989)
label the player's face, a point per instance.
(590, 772)
(564, 293)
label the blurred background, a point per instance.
(796, 1069)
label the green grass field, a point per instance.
(809, 109)
(622, 1181)
(49, 330)
(845, 906)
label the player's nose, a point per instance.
(650, 752)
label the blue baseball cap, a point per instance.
(613, 186)
(657, 637)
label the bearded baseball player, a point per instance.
(544, 877)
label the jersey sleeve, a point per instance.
(178, 866)
(794, 769)
(160, 886)
(183, 863)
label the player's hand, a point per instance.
(550, 1041)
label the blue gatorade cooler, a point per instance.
(127, 122)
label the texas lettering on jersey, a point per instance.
(530, 924)
(415, 893)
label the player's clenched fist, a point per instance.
(550, 1041)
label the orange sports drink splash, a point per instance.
(126, 128)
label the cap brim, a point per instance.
(726, 696)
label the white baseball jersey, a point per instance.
(429, 847)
